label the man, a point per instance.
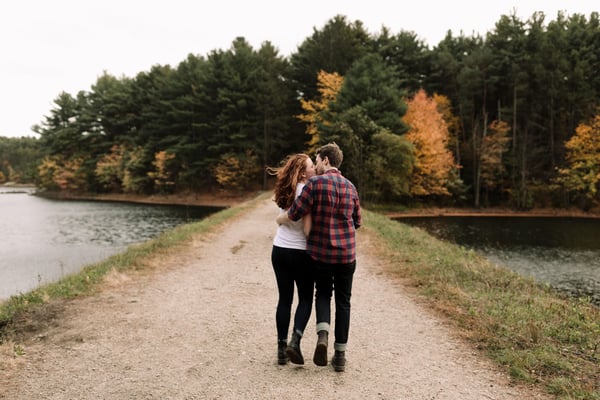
(333, 203)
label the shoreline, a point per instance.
(492, 212)
(221, 200)
(187, 199)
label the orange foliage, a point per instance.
(428, 132)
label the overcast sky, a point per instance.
(50, 46)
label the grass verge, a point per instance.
(39, 302)
(539, 336)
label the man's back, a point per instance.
(335, 209)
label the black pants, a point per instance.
(291, 267)
(335, 278)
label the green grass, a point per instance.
(86, 282)
(539, 336)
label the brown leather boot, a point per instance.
(320, 356)
(339, 361)
(293, 349)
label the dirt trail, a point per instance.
(201, 326)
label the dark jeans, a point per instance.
(292, 266)
(337, 278)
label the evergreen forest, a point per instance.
(511, 118)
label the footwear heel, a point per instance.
(294, 356)
(339, 361)
(320, 357)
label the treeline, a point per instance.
(19, 159)
(506, 118)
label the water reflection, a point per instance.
(562, 252)
(115, 224)
(43, 240)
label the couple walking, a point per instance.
(315, 248)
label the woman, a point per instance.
(291, 263)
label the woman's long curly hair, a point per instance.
(288, 177)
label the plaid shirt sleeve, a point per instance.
(302, 205)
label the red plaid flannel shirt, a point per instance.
(334, 205)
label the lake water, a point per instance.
(43, 240)
(561, 252)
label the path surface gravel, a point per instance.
(202, 326)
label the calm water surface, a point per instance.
(562, 252)
(43, 240)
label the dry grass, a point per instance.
(539, 336)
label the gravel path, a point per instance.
(202, 326)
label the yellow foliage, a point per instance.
(236, 172)
(583, 158)
(328, 85)
(227, 170)
(493, 147)
(110, 169)
(163, 177)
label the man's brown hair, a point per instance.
(333, 153)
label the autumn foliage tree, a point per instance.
(163, 176)
(11, 173)
(58, 172)
(493, 147)
(581, 176)
(328, 86)
(236, 172)
(134, 174)
(444, 106)
(110, 169)
(209, 109)
(434, 167)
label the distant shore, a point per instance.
(13, 188)
(492, 212)
(221, 200)
(190, 199)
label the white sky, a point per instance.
(49, 46)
